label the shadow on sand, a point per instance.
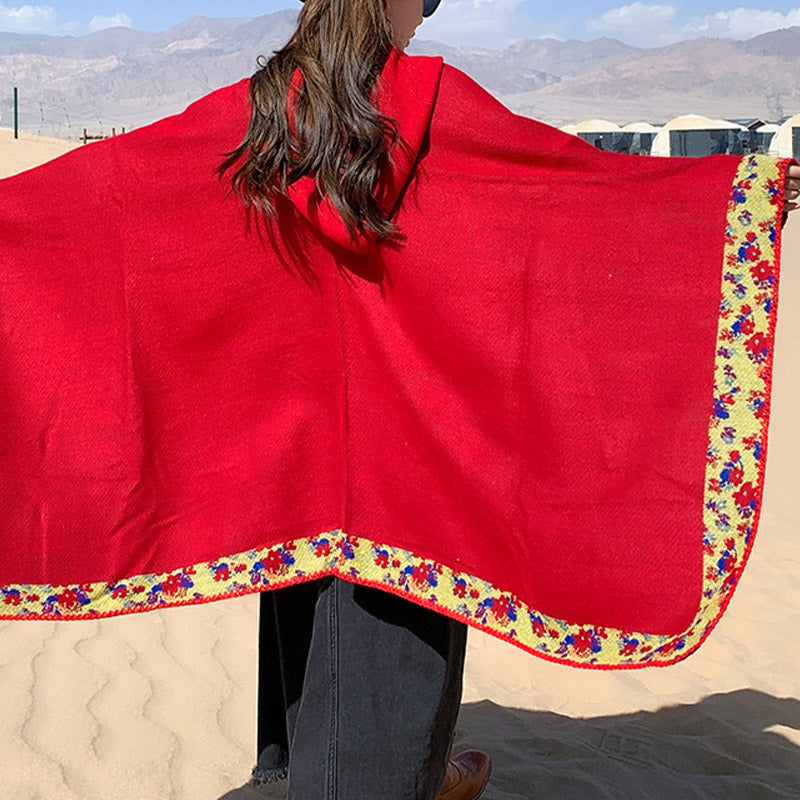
(727, 747)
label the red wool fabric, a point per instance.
(521, 390)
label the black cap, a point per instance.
(428, 7)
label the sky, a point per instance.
(487, 23)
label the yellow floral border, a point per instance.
(734, 483)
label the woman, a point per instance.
(382, 672)
(389, 654)
(522, 383)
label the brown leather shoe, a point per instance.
(466, 777)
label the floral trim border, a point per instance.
(734, 484)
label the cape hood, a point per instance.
(406, 92)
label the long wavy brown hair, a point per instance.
(340, 47)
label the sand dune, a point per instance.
(162, 705)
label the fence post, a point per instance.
(16, 113)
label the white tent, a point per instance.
(599, 132)
(643, 136)
(689, 122)
(764, 136)
(783, 141)
(597, 126)
(641, 127)
(726, 124)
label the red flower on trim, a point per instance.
(728, 564)
(172, 585)
(761, 272)
(500, 607)
(69, 599)
(756, 344)
(274, 561)
(222, 574)
(583, 641)
(752, 252)
(669, 647)
(322, 549)
(382, 560)
(745, 495)
(420, 574)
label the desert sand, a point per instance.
(162, 705)
(28, 151)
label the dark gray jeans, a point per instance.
(359, 692)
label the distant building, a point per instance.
(762, 138)
(751, 140)
(641, 136)
(604, 135)
(694, 135)
(786, 140)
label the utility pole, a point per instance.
(16, 113)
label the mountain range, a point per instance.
(121, 77)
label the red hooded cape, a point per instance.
(544, 413)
